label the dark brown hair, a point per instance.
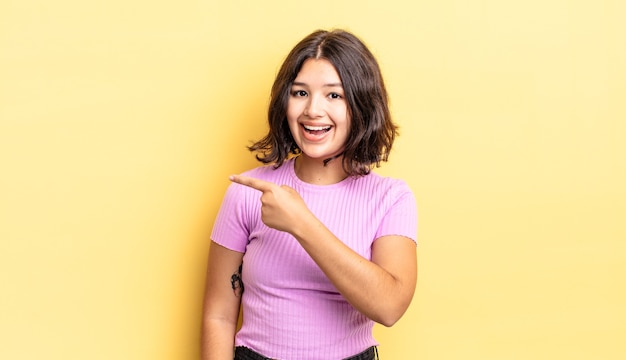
(372, 131)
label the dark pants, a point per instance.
(243, 353)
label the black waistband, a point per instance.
(244, 353)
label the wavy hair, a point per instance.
(372, 130)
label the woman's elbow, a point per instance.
(391, 316)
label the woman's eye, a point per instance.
(299, 93)
(334, 96)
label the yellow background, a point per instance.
(120, 121)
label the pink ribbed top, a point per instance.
(290, 309)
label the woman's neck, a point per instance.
(314, 171)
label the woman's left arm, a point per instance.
(381, 289)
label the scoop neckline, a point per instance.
(292, 172)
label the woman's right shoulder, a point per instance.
(267, 172)
(258, 171)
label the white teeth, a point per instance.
(316, 128)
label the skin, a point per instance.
(381, 289)
(317, 101)
(221, 304)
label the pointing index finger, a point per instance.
(254, 183)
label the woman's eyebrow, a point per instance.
(298, 83)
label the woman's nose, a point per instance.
(314, 108)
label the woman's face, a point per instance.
(317, 111)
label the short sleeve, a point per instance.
(401, 217)
(231, 228)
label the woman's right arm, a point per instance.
(222, 299)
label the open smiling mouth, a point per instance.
(317, 130)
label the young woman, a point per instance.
(313, 245)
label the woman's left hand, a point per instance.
(282, 208)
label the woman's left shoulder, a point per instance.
(386, 186)
(388, 182)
